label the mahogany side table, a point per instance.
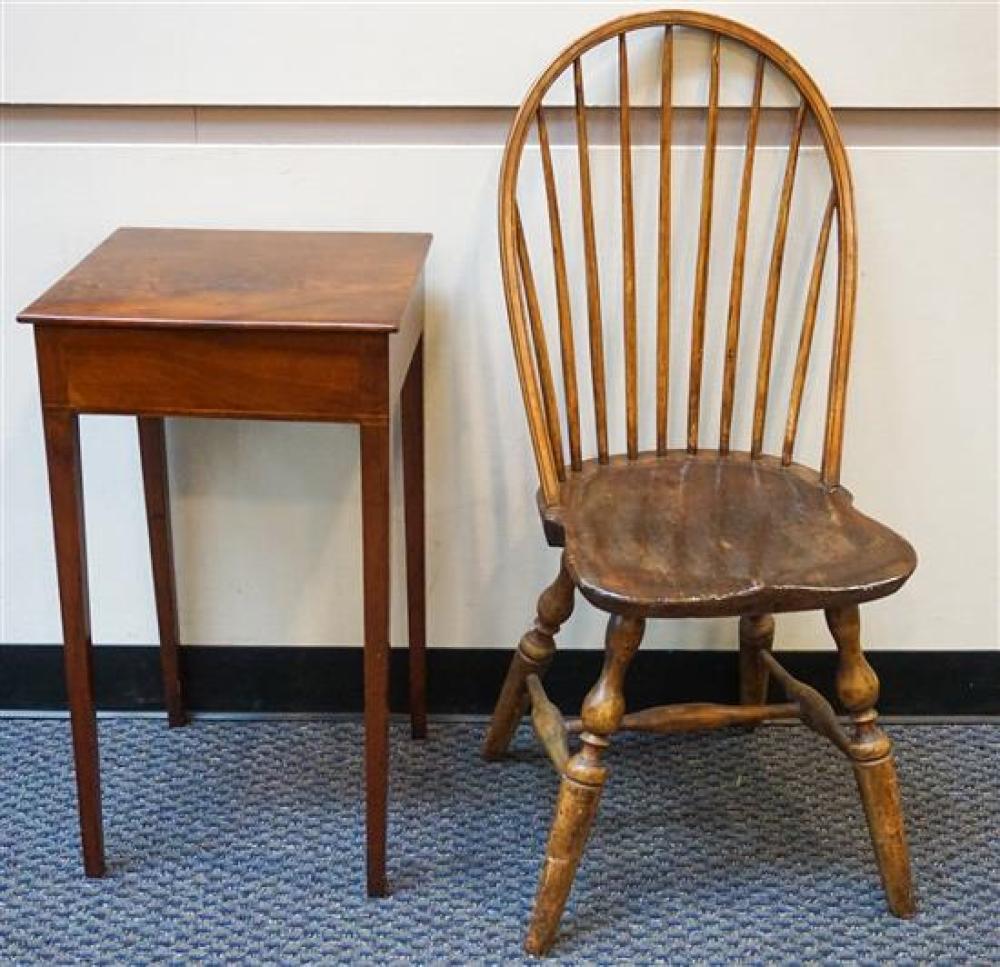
(323, 326)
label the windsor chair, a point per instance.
(704, 528)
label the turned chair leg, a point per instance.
(871, 754)
(532, 657)
(756, 635)
(582, 782)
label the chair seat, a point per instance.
(685, 535)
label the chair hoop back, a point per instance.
(538, 384)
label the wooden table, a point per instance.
(323, 326)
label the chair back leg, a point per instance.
(532, 657)
(756, 634)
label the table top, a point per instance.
(157, 277)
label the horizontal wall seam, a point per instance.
(57, 124)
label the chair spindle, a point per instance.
(567, 350)
(543, 368)
(628, 256)
(663, 248)
(590, 265)
(806, 336)
(704, 242)
(739, 263)
(773, 284)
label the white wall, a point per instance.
(266, 515)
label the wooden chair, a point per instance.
(702, 529)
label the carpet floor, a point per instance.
(241, 842)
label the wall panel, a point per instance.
(905, 55)
(266, 516)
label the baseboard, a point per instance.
(465, 681)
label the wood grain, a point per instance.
(213, 372)
(584, 776)
(412, 432)
(212, 278)
(543, 368)
(663, 242)
(628, 256)
(532, 656)
(566, 344)
(375, 530)
(814, 710)
(806, 334)
(874, 768)
(596, 325)
(756, 635)
(697, 363)
(878, 786)
(575, 811)
(696, 716)
(739, 263)
(766, 351)
(548, 724)
(62, 449)
(156, 488)
(698, 536)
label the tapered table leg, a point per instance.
(412, 406)
(376, 553)
(62, 446)
(153, 454)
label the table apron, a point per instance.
(267, 374)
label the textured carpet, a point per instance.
(242, 842)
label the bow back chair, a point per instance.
(694, 526)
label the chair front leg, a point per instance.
(582, 782)
(871, 755)
(532, 657)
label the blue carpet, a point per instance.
(241, 842)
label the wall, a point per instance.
(384, 116)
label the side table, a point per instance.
(323, 326)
